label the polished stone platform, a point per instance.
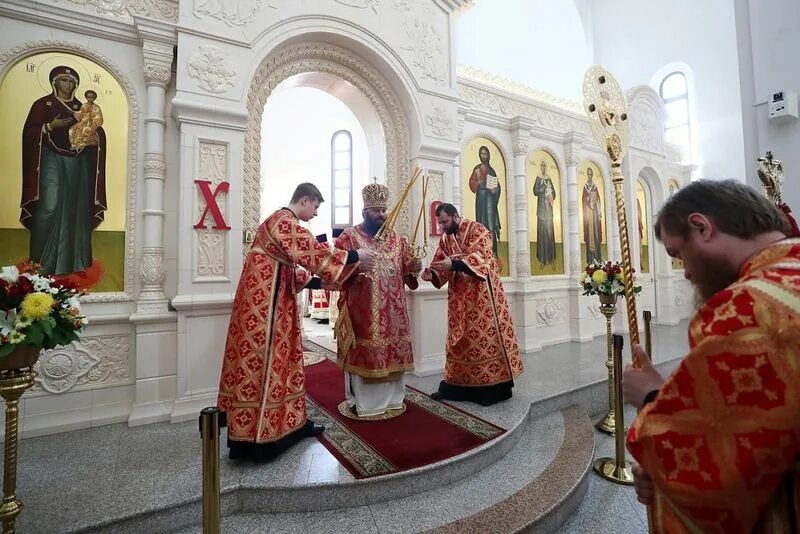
(120, 479)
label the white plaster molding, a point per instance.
(210, 69)
(234, 13)
(321, 57)
(165, 10)
(361, 4)
(489, 99)
(86, 364)
(426, 44)
(10, 57)
(526, 91)
(115, 8)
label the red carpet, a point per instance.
(428, 432)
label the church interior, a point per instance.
(191, 122)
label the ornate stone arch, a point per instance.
(10, 57)
(288, 61)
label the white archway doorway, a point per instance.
(319, 128)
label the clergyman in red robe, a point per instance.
(718, 441)
(262, 384)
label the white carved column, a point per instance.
(455, 193)
(521, 137)
(156, 326)
(584, 313)
(157, 72)
(572, 152)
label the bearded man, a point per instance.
(718, 441)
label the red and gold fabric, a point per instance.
(262, 385)
(373, 333)
(482, 347)
(722, 438)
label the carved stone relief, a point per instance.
(361, 4)
(424, 43)
(574, 262)
(166, 10)
(549, 311)
(94, 361)
(212, 249)
(210, 70)
(157, 74)
(116, 8)
(439, 122)
(232, 12)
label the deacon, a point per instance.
(262, 386)
(372, 331)
(718, 441)
(482, 356)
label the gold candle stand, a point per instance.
(616, 469)
(608, 307)
(13, 383)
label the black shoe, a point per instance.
(316, 430)
(437, 395)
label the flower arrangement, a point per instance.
(37, 310)
(605, 279)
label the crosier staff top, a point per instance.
(607, 110)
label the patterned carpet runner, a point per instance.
(428, 432)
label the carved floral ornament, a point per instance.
(165, 10)
(439, 122)
(210, 69)
(90, 362)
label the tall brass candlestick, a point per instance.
(608, 307)
(13, 383)
(616, 469)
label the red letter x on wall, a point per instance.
(211, 205)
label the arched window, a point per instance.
(674, 91)
(342, 179)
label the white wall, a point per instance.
(633, 39)
(540, 43)
(774, 38)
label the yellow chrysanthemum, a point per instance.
(37, 306)
(599, 276)
(621, 276)
(582, 279)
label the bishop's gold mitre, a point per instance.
(375, 196)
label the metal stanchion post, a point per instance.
(648, 334)
(617, 469)
(210, 421)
